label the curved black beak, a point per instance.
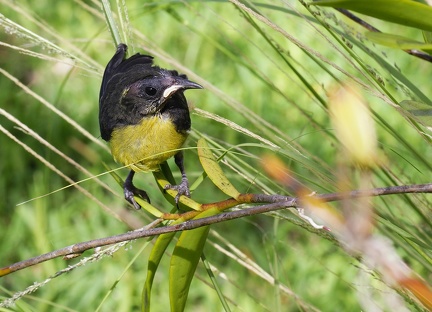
(180, 83)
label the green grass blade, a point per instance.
(215, 283)
(111, 22)
(404, 12)
(396, 41)
(421, 112)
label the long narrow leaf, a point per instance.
(214, 171)
(396, 41)
(155, 257)
(404, 12)
(184, 261)
(110, 21)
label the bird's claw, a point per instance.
(130, 191)
(182, 189)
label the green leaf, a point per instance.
(185, 203)
(404, 12)
(155, 257)
(396, 41)
(427, 36)
(157, 252)
(184, 261)
(110, 21)
(420, 112)
(214, 171)
(148, 207)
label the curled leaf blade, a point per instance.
(158, 251)
(214, 171)
(396, 41)
(155, 257)
(404, 12)
(184, 262)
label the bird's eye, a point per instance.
(150, 90)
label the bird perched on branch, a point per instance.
(144, 116)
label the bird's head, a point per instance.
(134, 87)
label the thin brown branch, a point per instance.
(188, 225)
(273, 203)
(380, 191)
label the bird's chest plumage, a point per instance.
(144, 146)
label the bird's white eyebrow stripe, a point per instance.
(170, 90)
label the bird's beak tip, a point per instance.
(183, 85)
(193, 85)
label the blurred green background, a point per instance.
(254, 75)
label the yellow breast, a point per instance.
(144, 146)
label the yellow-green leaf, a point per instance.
(396, 41)
(184, 261)
(157, 252)
(183, 265)
(214, 171)
(155, 257)
(185, 203)
(404, 12)
(148, 207)
(427, 36)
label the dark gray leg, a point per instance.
(130, 191)
(183, 187)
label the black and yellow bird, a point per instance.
(144, 116)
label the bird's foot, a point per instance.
(130, 191)
(182, 189)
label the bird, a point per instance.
(144, 117)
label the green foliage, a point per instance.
(184, 260)
(418, 111)
(403, 12)
(266, 69)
